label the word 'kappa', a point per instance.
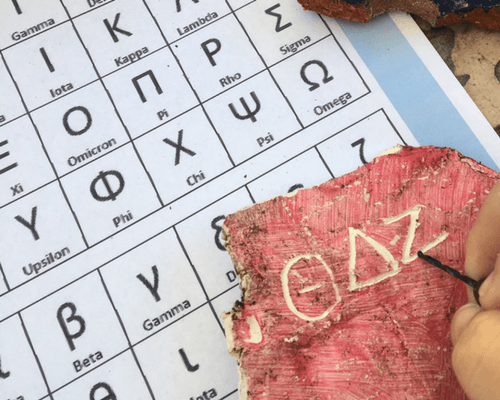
(335, 301)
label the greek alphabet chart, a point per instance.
(130, 129)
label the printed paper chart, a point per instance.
(128, 131)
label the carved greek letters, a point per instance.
(386, 255)
(318, 262)
(292, 267)
(314, 85)
(414, 213)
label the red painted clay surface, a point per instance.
(389, 340)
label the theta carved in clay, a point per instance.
(286, 290)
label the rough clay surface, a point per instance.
(316, 323)
(438, 12)
(477, 53)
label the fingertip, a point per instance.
(483, 242)
(489, 292)
(461, 319)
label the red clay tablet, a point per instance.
(335, 302)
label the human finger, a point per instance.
(483, 241)
(476, 356)
(489, 292)
(461, 320)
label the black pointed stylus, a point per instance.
(453, 272)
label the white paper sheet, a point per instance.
(129, 130)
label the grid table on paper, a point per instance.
(112, 113)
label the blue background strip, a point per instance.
(411, 88)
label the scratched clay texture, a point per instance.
(335, 304)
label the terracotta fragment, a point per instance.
(438, 12)
(335, 303)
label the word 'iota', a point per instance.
(208, 394)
